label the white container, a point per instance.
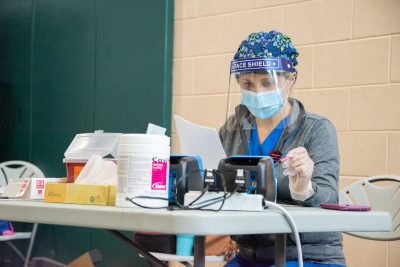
(143, 170)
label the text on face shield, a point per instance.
(243, 65)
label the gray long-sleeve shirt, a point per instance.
(318, 136)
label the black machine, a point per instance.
(256, 176)
(249, 174)
(185, 174)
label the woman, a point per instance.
(303, 146)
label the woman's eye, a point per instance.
(267, 84)
(246, 85)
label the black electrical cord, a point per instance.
(147, 197)
(181, 206)
(212, 200)
(220, 198)
(189, 206)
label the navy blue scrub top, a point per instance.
(269, 144)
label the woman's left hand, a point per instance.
(299, 167)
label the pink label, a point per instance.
(159, 174)
(39, 184)
(25, 184)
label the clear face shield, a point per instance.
(261, 85)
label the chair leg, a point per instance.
(31, 241)
(16, 250)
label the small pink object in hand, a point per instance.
(8, 232)
(285, 158)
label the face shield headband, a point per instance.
(261, 64)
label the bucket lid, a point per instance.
(144, 139)
(87, 144)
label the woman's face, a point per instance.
(261, 82)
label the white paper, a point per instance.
(199, 140)
(155, 129)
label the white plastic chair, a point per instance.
(15, 170)
(381, 193)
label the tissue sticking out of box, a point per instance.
(98, 171)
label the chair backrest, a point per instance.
(382, 193)
(17, 169)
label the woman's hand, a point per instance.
(299, 167)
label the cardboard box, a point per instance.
(89, 259)
(87, 194)
(29, 188)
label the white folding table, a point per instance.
(198, 223)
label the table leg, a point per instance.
(29, 251)
(150, 258)
(280, 250)
(199, 251)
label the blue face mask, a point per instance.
(263, 105)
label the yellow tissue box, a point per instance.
(86, 194)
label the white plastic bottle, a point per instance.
(143, 170)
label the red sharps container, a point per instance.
(84, 146)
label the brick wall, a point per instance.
(349, 72)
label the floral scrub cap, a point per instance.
(267, 44)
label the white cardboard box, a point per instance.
(29, 188)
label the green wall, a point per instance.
(73, 66)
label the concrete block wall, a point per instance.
(349, 72)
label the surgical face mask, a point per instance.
(263, 105)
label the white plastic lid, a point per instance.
(154, 139)
(87, 144)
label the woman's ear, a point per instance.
(292, 78)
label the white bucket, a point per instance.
(143, 170)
